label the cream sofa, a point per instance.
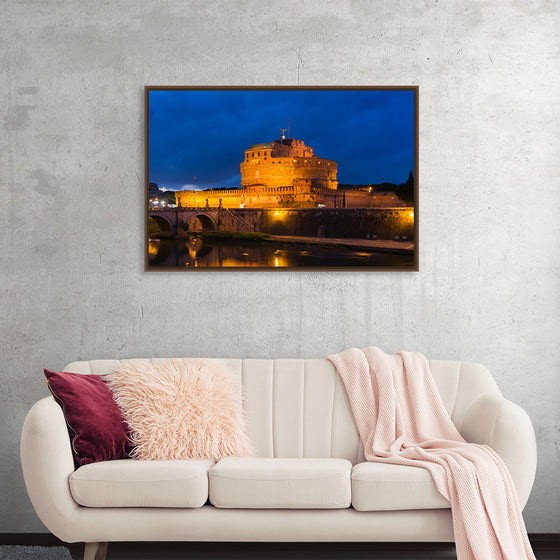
(308, 481)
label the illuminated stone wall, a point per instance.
(297, 196)
(228, 198)
(384, 223)
(261, 197)
(360, 198)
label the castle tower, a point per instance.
(287, 163)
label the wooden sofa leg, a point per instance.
(101, 551)
(90, 550)
(95, 551)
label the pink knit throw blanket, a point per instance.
(401, 420)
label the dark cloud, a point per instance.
(204, 133)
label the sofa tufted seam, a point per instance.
(332, 418)
(273, 407)
(459, 375)
(303, 409)
(494, 423)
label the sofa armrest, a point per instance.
(47, 461)
(506, 427)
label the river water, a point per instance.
(194, 252)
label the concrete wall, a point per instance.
(72, 284)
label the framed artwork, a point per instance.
(281, 178)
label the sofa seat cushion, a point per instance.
(132, 483)
(382, 486)
(280, 483)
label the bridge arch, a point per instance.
(164, 226)
(201, 222)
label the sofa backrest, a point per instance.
(299, 407)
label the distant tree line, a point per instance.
(405, 191)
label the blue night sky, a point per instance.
(370, 134)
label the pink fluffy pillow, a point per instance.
(181, 409)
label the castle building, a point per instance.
(284, 173)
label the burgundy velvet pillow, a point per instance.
(95, 423)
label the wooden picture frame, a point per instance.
(276, 178)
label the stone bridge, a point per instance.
(383, 223)
(174, 221)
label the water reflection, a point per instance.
(196, 252)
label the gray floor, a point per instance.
(293, 551)
(23, 552)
